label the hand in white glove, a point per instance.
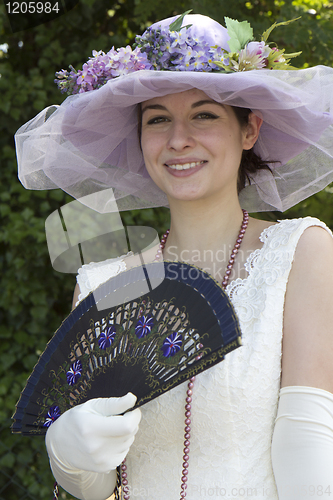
(88, 442)
(94, 436)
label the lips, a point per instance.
(184, 166)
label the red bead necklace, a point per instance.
(188, 401)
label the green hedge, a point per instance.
(34, 298)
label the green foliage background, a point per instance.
(33, 297)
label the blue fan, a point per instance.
(146, 345)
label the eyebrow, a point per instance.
(206, 101)
(194, 105)
(154, 106)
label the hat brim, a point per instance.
(99, 129)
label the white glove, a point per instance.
(92, 438)
(302, 446)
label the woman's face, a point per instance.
(193, 145)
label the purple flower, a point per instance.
(172, 344)
(100, 68)
(52, 415)
(161, 49)
(74, 373)
(66, 81)
(86, 75)
(193, 55)
(180, 40)
(106, 338)
(156, 49)
(144, 326)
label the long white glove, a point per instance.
(302, 446)
(88, 442)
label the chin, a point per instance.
(185, 196)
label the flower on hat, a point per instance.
(174, 49)
(246, 54)
(100, 68)
(253, 56)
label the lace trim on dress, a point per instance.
(265, 259)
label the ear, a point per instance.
(252, 131)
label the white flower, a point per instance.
(253, 56)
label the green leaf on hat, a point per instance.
(278, 59)
(294, 54)
(266, 33)
(240, 34)
(177, 24)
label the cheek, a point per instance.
(150, 148)
(150, 156)
(143, 145)
(146, 151)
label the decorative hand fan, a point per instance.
(147, 345)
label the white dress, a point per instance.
(234, 403)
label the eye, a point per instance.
(206, 116)
(157, 119)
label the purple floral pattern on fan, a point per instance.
(52, 415)
(74, 373)
(144, 326)
(172, 344)
(106, 338)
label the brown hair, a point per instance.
(250, 162)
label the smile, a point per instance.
(186, 166)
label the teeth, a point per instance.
(185, 166)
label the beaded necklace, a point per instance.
(189, 392)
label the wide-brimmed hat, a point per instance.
(91, 142)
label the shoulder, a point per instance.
(314, 254)
(315, 238)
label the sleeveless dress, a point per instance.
(234, 403)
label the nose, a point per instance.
(180, 136)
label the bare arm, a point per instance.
(307, 358)
(302, 444)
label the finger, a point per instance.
(119, 425)
(111, 406)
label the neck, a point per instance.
(199, 231)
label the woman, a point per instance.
(193, 142)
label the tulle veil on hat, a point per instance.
(90, 142)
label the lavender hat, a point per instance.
(90, 142)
